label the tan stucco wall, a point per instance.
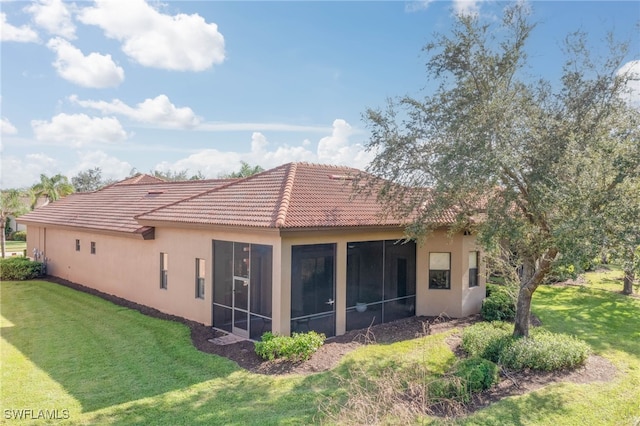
(459, 301)
(129, 268)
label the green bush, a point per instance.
(499, 305)
(486, 339)
(19, 236)
(20, 268)
(542, 350)
(466, 377)
(546, 351)
(300, 346)
(447, 388)
(477, 373)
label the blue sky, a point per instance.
(201, 86)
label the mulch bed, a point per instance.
(330, 354)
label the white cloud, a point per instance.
(460, 7)
(414, 6)
(94, 70)
(632, 70)
(466, 7)
(276, 127)
(30, 169)
(78, 130)
(158, 110)
(181, 42)
(53, 16)
(333, 149)
(6, 127)
(112, 167)
(337, 149)
(22, 34)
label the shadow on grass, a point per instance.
(530, 409)
(101, 353)
(244, 400)
(604, 319)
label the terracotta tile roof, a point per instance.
(140, 178)
(114, 207)
(294, 195)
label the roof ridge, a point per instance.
(286, 195)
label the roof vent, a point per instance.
(341, 177)
(154, 193)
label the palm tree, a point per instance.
(12, 205)
(52, 188)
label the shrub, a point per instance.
(486, 340)
(467, 377)
(499, 305)
(20, 268)
(477, 373)
(542, 350)
(300, 346)
(19, 236)
(448, 388)
(546, 351)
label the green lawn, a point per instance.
(66, 350)
(15, 245)
(610, 323)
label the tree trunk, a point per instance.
(523, 311)
(533, 272)
(629, 276)
(4, 236)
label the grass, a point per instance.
(18, 246)
(608, 321)
(66, 350)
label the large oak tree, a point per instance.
(527, 163)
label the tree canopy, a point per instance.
(52, 188)
(533, 163)
(89, 180)
(245, 171)
(12, 203)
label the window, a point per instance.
(474, 256)
(164, 267)
(77, 245)
(93, 247)
(440, 270)
(200, 274)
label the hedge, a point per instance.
(19, 268)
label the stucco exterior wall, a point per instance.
(130, 268)
(458, 301)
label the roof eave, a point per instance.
(143, 233)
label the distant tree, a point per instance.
(52, 188)
(172, 175)
(528, 163)
(245, 171)
(12, 204)
(89, 180)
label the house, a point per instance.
(289, 249)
